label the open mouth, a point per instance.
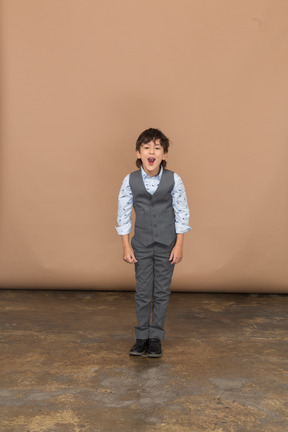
(151, 161)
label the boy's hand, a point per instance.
(177, 252)
(176, 255)
(128, 255)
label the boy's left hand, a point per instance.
(176, 254)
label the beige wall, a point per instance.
(82, 79)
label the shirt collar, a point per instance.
(146, 176)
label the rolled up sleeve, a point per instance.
(125, 203)
(180, 205)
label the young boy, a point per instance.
(162, 217)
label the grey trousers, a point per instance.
(153, 278)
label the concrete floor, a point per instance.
(65, 364)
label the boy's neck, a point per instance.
(152, 174)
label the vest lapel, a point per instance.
(161, 183)
(141, 183)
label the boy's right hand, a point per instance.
(128, 255)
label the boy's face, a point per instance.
(151, 155)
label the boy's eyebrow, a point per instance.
(156, 145)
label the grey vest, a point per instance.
(155, 220)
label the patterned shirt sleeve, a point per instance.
(180, 205)
(125, 203)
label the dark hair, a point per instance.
(152, 135)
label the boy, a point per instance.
(162, 217)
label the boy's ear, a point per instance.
(165, 155)
(138, 154)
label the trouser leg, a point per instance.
(163, 271)
(144, 272)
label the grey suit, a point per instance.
(154, 238)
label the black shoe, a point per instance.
(154, 348)
(139, 348)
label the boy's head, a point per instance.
(152, 144)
